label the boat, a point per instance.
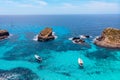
(80, 62)
(38, 57)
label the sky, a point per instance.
(31, 7)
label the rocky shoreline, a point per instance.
(109, 38)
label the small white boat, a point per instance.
(80, 62)
(38, 57)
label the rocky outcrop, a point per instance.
(110, 37)
(77, 40)
(4, 34)
(46, 35)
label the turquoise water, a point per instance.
(59, 56)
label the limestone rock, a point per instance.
(110, 37)
(46, 35)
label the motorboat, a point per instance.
(80, 62)
(38, 57)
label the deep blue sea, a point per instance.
(59, 56)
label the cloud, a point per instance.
(101, 5)
(93, 7)
(37, 3)
(25, 3)
(42, 3)
(68, 5)
(43, 7)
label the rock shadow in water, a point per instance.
(64, 73)
(20, 52)
(102, 54)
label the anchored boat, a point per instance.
(38, 57)
(80, 62)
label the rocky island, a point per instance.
(78, 40)
(4, 34)
(46, 35)
(110, 38)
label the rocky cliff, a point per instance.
(110, 37)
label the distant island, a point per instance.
(110, 38)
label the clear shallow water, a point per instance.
(60, 55)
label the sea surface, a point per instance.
(59, 56)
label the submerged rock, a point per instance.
(46, 35)
(4, 34)
(110, 38)
(19, 73)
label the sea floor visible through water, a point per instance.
(59, 56)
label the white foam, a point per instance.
(35, 38)
(10, 35)
(82, 36)
(91, 36)
(70, 38)
(55, 37)
(74, 42)
(53, 33)
(95, 38)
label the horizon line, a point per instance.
(59, 14)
